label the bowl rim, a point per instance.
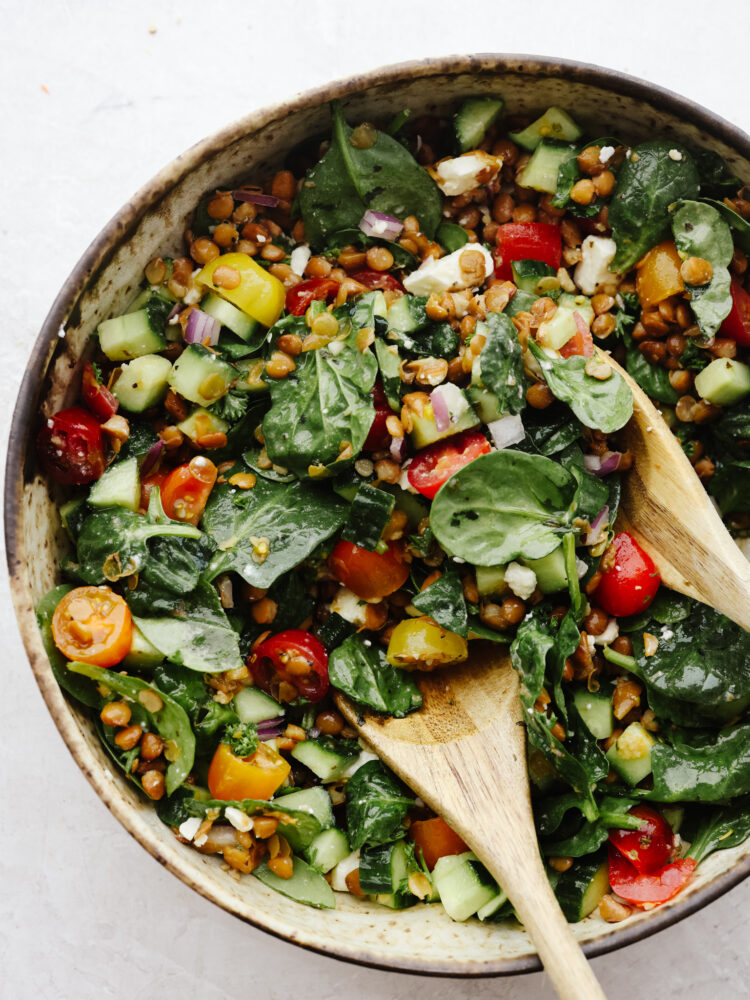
(96, 257)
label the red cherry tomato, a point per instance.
(631, 585)
(656, 887)
(436, 463)
(379, 279)
(582, 342)
(186, 489)
(301, 296)
(650, 846)
(370, 575)
(293, 657)
(97, 396)
(737, 324)
(70, 447)
(378, 436)
(527, 241)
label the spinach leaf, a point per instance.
(602, 405)
(370, 512)
(718, 829)
(197, 635)
(593, 492)
(502, 506)
(613, 813)
(653, 379)
(700, 231)
(549, 431)
(715, 177)
(142, 437)
(362, 672)
(740, 226)
(188, 689)
(667, 608)
(695, 358)
(451, 236)
(476, 629)
(444, 601)
(170, 721)
(648, 183)
(437, 340)
(390, 372)
(349, 179)
(501, 363)
(266, 531)
(710, 769)
(376, 806)
(79, 687)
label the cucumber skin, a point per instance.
(327, 849)
(580, 888)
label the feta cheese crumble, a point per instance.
(675, 154)
(435, 276)
(606, 153)
(350, 607)
(299, 258)
(461, 174)
(189, 828)
(239, 820)
(597, 253)
(521, 580)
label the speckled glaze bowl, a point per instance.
(421, 939)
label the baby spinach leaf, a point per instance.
(613, 813)
(170, 721)
(451, 236)
(604, 405)
(653, 379)
(188, 689)
(79, 687)
(383, 177)
(444, 601)
(436, 340)
(700, 231)
(695, 769)
(376, 806)
(501, 363)
(666, 608)
(362, 672)
(718, 829)
(549, 431)
(715, 176)
(593, 492)
(142, 437)
(502, 506)
(739, 226)
(647, 184)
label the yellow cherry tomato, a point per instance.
(93, 625)
(254, 777)
(658, 276)
(422, 644)
(257, 292)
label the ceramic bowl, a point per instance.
(422, 939)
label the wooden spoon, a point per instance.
(464, 753)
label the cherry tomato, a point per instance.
(631, 585)
(294, 657)
(378, 436)
(379, 279)
(737, 324)
(655, 887)
(435, 839)
(97, 396)
(301, 296)
(254, 777)
(93, 625)
(370, 575)
(527, 241)
(436, 463)
(582, 342)
(70, 447)
(650, 846)
(153, 479)
(186, 489)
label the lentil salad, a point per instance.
(412, 329)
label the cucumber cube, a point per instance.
(201, 424)
(130, 336)
(723, 382)
(630, 754)
(230, 316)
(595, 710)
(327, 849)
(554, 124)
(557, 331)
(473, 119)
(201, 376)
(490, 580)
(253, 705)
(119, 486)
(143, 383)
(550, 571)
(540, 173)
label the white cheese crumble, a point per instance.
(461, 174)
(606, 153)
(581, 567)
(520, 579)
(342, 869)
(189, 828)
(299, 257)
(667, 634)
(435, 276)
(609, 634)
(454, 399)
(351, 608)
(239, 820)
(675, 154)
(597, 253)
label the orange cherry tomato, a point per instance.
(581, 342)
(254, 777)
(435, 839)
(658, 275)
(93, 625)
(187, 488)
(370, 575)
(155, 479)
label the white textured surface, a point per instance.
(84, 911)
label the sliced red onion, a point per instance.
(256, 198)
(385, 227)
(440, 410)
(176, 309)
(152, 457)
(200, 326)
(507, 430)
(598, 526)
(604, 464)
(398, 449)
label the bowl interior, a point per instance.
(422, 939)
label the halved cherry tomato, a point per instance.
(370, 575)
(436, 463)
(254, 777)
(378, 436)
(293, 657)
(737, 324)
(581, 342)
(301, 296)
(656, 887)
(650, 846)
(526, 241)
(186, 489)
(631, 585)
(435, 839)
(97, 396)
(93, 625)
(70, 447)
(379, 279)
(154, 479)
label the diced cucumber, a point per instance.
(630, 754)
(557, 331)
(491, 908)
(550, 571)
(119, 486)
(581, 887)
(595, 709)
(473, 119)
(345, 867)
(72, 515)
(253, 705)
(490, 580)
(324, 758)
(395, 901)
(674, 815)
(528, 273)
(201, 376)
(521, 302)
(315, 801)
(384, 869)
(230, 316)
(327, 849)
(465, 887)
(251, 376)
(132, 335)
(723, 382)
(425, 431)
(553, 124)
(412, 505)
(306, 884)
(485, 402)
(540, 173)
(407, 314)
(201, 423)
(577, 303)
(148, 294)
(143, 383)
(142, 655)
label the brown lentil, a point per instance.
(291, 344)
(539, 396)
(583, 192)
(379, 258)
(115, 713)
(329, 722)
(264, 610)
(279, 365)
(153, 784)
(128, 737)
(696, 271)
(612, 910)
(203, 250)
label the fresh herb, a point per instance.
(231, 407)
(361, 671)
(717, 829)
(444, 601)
(501, 363)
(699, 231)
(376, 806)
(695, 358)
(241, 738)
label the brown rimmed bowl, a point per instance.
(421, 939)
